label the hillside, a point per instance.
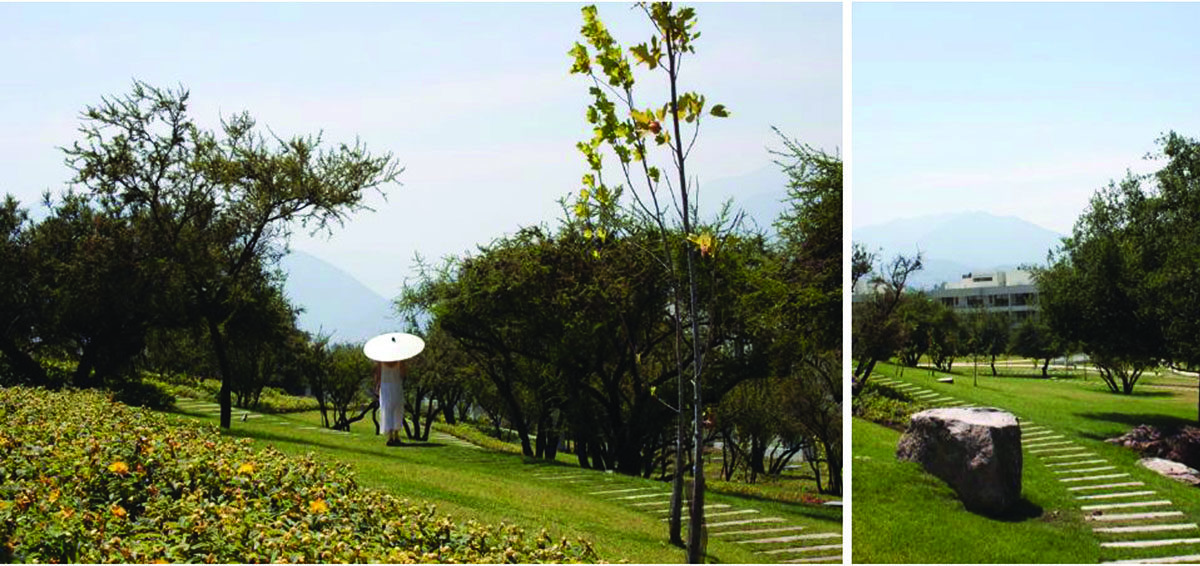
(958, 243)
(334, 302)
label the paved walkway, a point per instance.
(1127, 517)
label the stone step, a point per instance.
(1096, 469)
(707, 506)
(1106, 486)
(649, 495)
(1159, 503)
(1134, 516)
(831, 558)
(1149, 543)
(802, 549)
(1146, 528)
(1060, 449)
(1041, 435)
(1068, 456)
(646, 504)
(744, 522)
(762, 531)
(725, 514)
(1191, 558)
(1048, 444)
(1116, 495)
(1092, 478)
(791, 538)
(629, 490)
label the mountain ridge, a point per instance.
(954, 244)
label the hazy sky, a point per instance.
(1017, 109)
(474, 100)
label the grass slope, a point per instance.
(491, 486)
(892, 497)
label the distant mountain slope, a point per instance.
(958, 243)
(760, 194)
(334, 302)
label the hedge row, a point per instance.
(86, 479)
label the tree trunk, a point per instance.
(83, 371)
(225, 397)
(1046, 366)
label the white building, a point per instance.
(1013, 292)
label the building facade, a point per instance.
(1013, 292)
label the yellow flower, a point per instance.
(246, 468)
(118, 511)
(318, 506)
(703, 241)
(54, 495)
(119, 468)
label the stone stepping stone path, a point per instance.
(769, 536)
(445, 438)
(1124, 511)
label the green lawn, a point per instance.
(904, 515)
(493, 486)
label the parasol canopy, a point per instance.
(393, 347)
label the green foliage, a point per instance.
(886, 406)
(144, 393)
(1033, 338)
(270, 400)
(877, 331)
(88, 480)
(1117, 287)
(215, 208)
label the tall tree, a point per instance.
(215, 204)
(21, 307)
(625, 132)
(1095, 293)
(876, 328)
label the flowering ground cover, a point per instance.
(85, 479)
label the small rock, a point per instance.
(977, 451)
(1173, 470)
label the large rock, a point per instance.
(977, 451)
(1173, 470)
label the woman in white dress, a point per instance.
(389, 385)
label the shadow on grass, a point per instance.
(1133, 419)
(282, 438)
(1024, 510)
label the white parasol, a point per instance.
(394, 346)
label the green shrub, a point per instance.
(144, 394)
(272, 400)
(886, 406)
(85, 479)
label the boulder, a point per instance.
(1173, 470)
(977, 451)
(1179, 444)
